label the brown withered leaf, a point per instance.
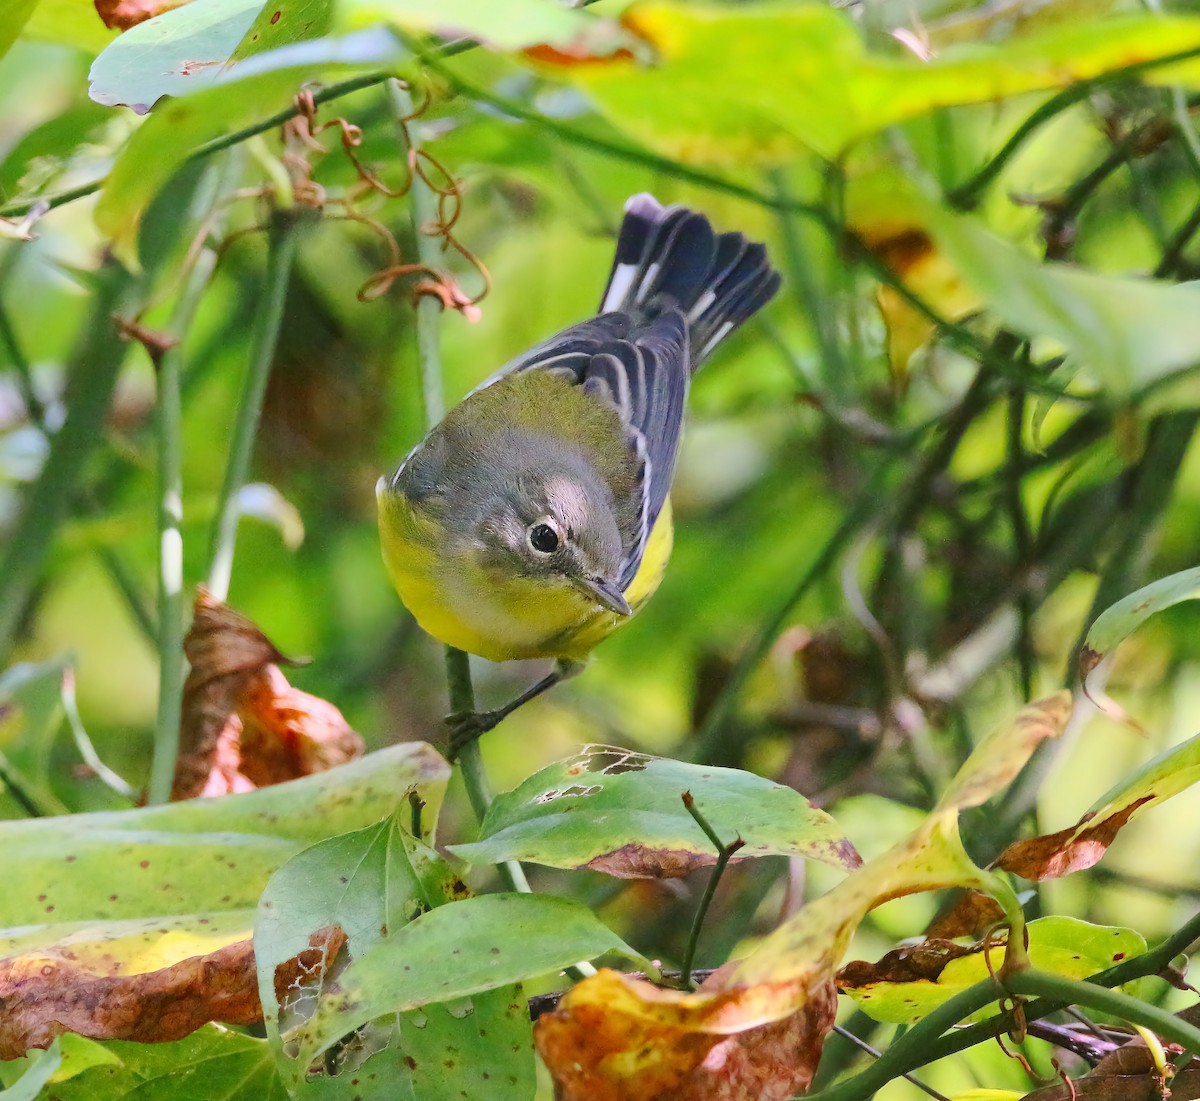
(971, 914)
(243, 726)
(922, 962)
(44, 995)
(122, 14)
(615, 1038)
(1070, 850)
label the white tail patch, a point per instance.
(618, 289)
(716, 339)
(651, 274)
(702, 304)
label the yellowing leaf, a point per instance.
(760, 82)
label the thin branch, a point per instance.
(724, 854)
(171, 598)
(280, 253)
(967, 195)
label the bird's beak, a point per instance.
(604, 593)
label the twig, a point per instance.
(281, 250)
(724, 853)
(171, 600)
(84, 743)
(862, 1045)
(966, 195)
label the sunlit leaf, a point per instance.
(612, 810)
(911, 982)
(502, 24)
(176, 53)
(1128, 332)
(16, 15)
(778, 63)
(1119, 621)
(212, 1064)
(29, 1086)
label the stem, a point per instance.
(967, 195)
(724, 853)
(216, 145)
(924, 1042)
(93, 374)
(171, 602)
(281, 251)
(20, 362)
(1084, 992)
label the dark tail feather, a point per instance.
(671, 257)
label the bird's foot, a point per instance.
(466, 726)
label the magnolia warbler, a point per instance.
(534, 520)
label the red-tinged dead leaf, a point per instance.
(242, 725)
(42, 996)
(1071, 850)
(122, 14)
(613, 1038)
(971, 915)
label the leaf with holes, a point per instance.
(369, 885)
(477, 949)
(615, 811)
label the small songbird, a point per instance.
(535, 519)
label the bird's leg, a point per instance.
(466, 726)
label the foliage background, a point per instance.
(788, 425)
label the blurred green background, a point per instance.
(1026, 517)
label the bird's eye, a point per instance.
(543, 538)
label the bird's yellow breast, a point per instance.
(502, 617)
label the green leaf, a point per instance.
(370, 884)
(1061, 945)
(176, 53)
(41, 1068)
(502, 24)
(778, 62)
(69, 23)
(1129, 332)
(244, 94)
(201, 854)
(16, 15)
(620, 812)
(30, 716)
(457, 951)
(1082, 845)
(1118, 622)
(212, 1064)
(283, 22)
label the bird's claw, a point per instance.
(466, 726)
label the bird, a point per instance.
(535, 518)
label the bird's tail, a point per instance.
(671, 257)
